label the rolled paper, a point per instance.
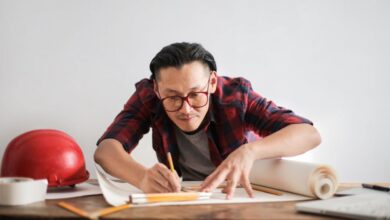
(309, 179)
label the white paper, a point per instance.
(117, 193)
(83, 189)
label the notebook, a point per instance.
(365, 206)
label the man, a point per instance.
(205, 121)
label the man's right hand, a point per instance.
(111, 156)
(160, 179)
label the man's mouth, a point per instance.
(186, 118)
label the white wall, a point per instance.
(71, 65)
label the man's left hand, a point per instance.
(235, 170)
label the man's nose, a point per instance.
(185, 108)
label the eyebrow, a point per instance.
(177, 92)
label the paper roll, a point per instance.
(314, 180)
(21, 191)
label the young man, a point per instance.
(204, 120)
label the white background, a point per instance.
(71, 65)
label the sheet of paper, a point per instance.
(83, 189)
(117, 193)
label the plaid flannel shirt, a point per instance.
(236, 112)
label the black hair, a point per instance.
(178, 54)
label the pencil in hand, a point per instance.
(169, 157)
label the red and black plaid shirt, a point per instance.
(235, 113)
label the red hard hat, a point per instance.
(45, 154)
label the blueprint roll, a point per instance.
(313, 180)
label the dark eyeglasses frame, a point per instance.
(185, 98)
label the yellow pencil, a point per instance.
(73, 209)
(170, 162)
(196, 188)
(168, 197)
(110, 210)
(266, 189)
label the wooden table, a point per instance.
(49, 210)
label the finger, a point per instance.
(221, 170)
(208, 179)
(173, 180)
(160, 176)
(177, 177)
(205, 186)
(155, 185)
(247, 186)
(231, 184)
(163, 185)
(214, 181)
(157, 188)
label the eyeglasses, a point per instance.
(194, 99)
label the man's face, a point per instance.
(191, 77)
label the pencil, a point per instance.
(266, 189)
(196, 188)
(169, 156)
(168, 197)
(73, 209)
(109, 210)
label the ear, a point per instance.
(155, 88)
(213, 81)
